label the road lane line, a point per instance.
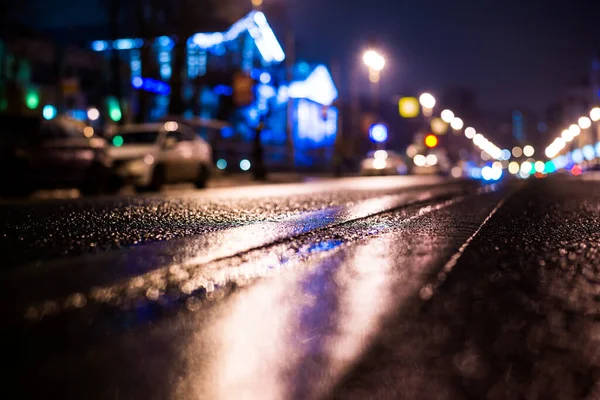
(429, 290)
(200, 273)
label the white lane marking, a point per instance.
(428, 290)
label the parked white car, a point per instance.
(151, 155)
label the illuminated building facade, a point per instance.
(212, 61)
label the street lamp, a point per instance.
(447, 116)
(375, 62)
(427, 100)
(584, 122)
(457, 124)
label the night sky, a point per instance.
(512, 53)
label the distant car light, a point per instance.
(245, 165)
(221, 164)
(117, 141)
(379, 163)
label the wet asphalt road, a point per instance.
(414, 288)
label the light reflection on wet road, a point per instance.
(332, 302)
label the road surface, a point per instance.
(400, 287)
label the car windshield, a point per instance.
(134, 137)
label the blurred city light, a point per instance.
(93, 114)
(380, 155)
(265, 78)
(513, 167)
(588, 152)
(457, 124)
(431, 141)
(379, 163)
(117, 141)
(88, 131)
(431, 160)
(378, 133)
(447, 116)
(506, 154)
(549, 167)
(491, 173)
(470, 132)
(517, 152)
(99, 45)
(49, 112)
(526, 167)
(438, 126)
(539, 166)
(114, 109)
(528, 151)
(567, 135)
(584, 122)
(427, 100)
(575, 130)
(420, 160)
(245, 165)
(32, 99)
(595, 114)
(577, 156)
(171, 126)
(408, 107)
(374, 60)
(411, 151)
(456, 172)
(221, 163)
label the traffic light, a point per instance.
(114, 109)
(408, 107)
(32, 99)
(431, 141)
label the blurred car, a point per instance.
(434, 163)
(151, 155)
(62, 153)
(383, 162)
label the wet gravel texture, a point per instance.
(39, 231)
(301, 309)
(489, 296)
(516, 319)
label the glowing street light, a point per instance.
(470, 132)
(427, 100)
(93, 114)
(517, 152)
(584, 122)
(528, 151)
(457, 124)
(374, 60)
(575, 130)
(567, 135)
(447, 116)
(595, 114)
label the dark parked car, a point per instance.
(62, 153)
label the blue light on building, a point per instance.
(518, 129)
(49, 112)
(378, 133)
(151, 85)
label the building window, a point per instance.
(136, 64)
